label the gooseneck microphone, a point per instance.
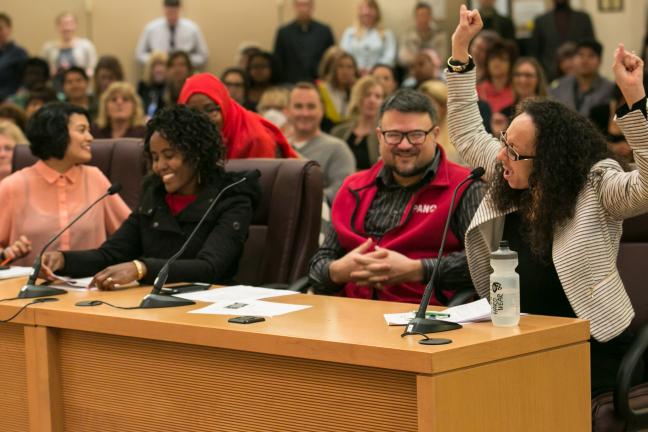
(156, 300)
(420, 324)
(31, 290)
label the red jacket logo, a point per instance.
(425, 208)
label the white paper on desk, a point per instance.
(255, 308)
(68, 282)
(234, 293)
(14, 272)
(470, 312)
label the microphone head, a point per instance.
(477, 172)
(114, 188)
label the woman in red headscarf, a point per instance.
(246, 134)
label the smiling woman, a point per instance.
(186, 155)
(38, 200)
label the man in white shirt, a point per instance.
(172, 33)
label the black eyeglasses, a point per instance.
(414, 137)
(510, 151)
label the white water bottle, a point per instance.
(504, 287)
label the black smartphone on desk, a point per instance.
(185, 288)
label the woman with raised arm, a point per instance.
(559, 199)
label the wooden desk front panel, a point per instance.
(115, 383)
(14, 414)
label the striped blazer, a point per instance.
(585, 247)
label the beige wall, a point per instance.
(115, 25)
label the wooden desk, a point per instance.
(334, 367)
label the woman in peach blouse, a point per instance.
(39, 200)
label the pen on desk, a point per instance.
(436, 314)
(5, 261)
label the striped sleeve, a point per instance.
(465, 125)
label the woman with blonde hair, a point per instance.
(335, 88)
(272, 107)
(367, 41)
(437, 92)
(359, 133)
(120, 113)
(10, 135)
(152, 86)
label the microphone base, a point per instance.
(425, 325)
(152, 301)
(33, 291)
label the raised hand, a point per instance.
(470, 23)
(628, 74)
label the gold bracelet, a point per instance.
(140, 269)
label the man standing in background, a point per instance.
(172, 33)
(299, 45)
(12, 60)
(425, 34)
(500, 24)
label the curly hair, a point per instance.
(47, 129)
(567, 145)
(194, 135)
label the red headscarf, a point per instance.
(246, 134)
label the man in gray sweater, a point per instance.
(305, 112)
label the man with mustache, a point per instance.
(387, 221)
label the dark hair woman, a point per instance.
(186, 156)
(559, 200)
(38, 200)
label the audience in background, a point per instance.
(300, 45)
(495, 87)
(245, 133)
(586, 88)
(335, 89)
(12, 60)
(386, 77)
(387, 221)
(305, 111)
(179, 68)
(426, 66)
(367, 41)
(263, 73)
(152, 87)
(359, 132)
(120, 113)
(502, 25)
(40, 199)
(69, 50)
(603, 117)
(10, 136)
(13, 114)
(236, 82)
(565, 59)
(479, 48)
(38, 98)
(528, 81)
(186, 157)
(325, 65)
(437, 92)
(75, 89)
(273, 106)
(108, 70)
(554, 28)
(172, 33)
(35, 76)
(426, 34)
(245, 50)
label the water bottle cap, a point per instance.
(504, 253)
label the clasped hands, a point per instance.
(376, 267)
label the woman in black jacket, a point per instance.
(186, 154)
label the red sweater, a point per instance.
(417, 236)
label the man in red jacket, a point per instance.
(387, 221)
